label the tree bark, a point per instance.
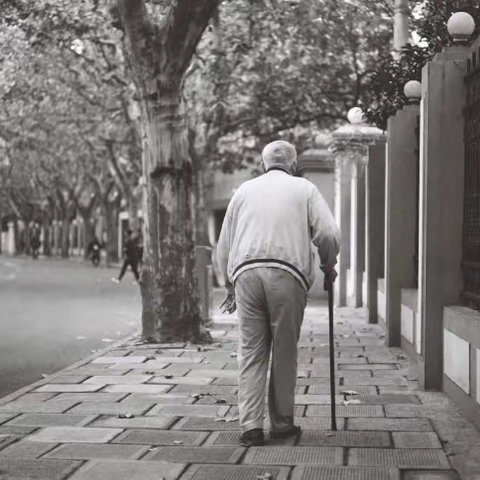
(159, 57)
(65, 245)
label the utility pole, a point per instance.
(400, 29)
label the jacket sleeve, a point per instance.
(324, 230)
(223, 247)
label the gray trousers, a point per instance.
(271, 304)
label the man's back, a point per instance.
(272, 221)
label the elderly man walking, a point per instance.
(265, 256)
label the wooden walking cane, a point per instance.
(329, 287)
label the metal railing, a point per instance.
(471, 221)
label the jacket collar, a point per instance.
(279, 168)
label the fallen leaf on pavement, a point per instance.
(233, 355)
(217, 345)
(351, 402)
(94, 351)
(81, 337)
(220, 400)
(168, 376)
(401, 357)
(358, 355)
(107, 340)
(196, 396)
(302, 375)
(149, 373)
(125, 415)
(151, 357)
(44, 375)
(329, 434)
(265, 476)
(177, 442)
(349, 392)
(158, 351)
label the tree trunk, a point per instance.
(88, 233)
(111, 230)
(159, 57)
(47, 250)
(65, 239)
(169, 283)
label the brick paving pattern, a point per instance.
(143, 411)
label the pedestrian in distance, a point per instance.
(266, 260)
(130, 255)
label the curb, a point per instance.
(80, 363)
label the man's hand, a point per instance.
(330, 276)
(229, 304)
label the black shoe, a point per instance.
(295, 430)
(252, 438)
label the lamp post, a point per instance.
(460, 26)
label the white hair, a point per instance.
(279, 154)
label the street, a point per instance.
(53, 313)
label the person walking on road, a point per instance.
(266, 260)
(130, 252)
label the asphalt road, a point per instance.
(53, 313)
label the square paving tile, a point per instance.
(205, 389)
(142, 388)
(129, 359)
(376, 381)
(345, 439)
(432, 475)
(5, 417)
(118, 380)
(156, 398)
(217, 399)
(24, 449)
(313, 423)
(234, 472)
(416, 440)
(75, 435)
(346, 411)
(37, 397)
(390, 424)
(215, 373)
(29, 469)
(51, 420)
(388, 399)
(181, 380)
(279, 455)
(160, 437)
(40, 407)
(317, 399)
(97, 397)
(370, 366)
(69, 387)
(162, 423)
(66, 379)
(400, 458)
(165, 359)
(225, 381)
(232, 437)
(136, 368)
(344, 473)
(113, 408)
(208, 411)
(325, 389)
(14, 430)
(90, 451)
(128, 470)
(196, 454)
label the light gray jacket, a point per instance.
(272, 221)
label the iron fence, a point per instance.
(471, 222)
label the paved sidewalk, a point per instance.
(147, 412)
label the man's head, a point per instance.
(280, 154)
